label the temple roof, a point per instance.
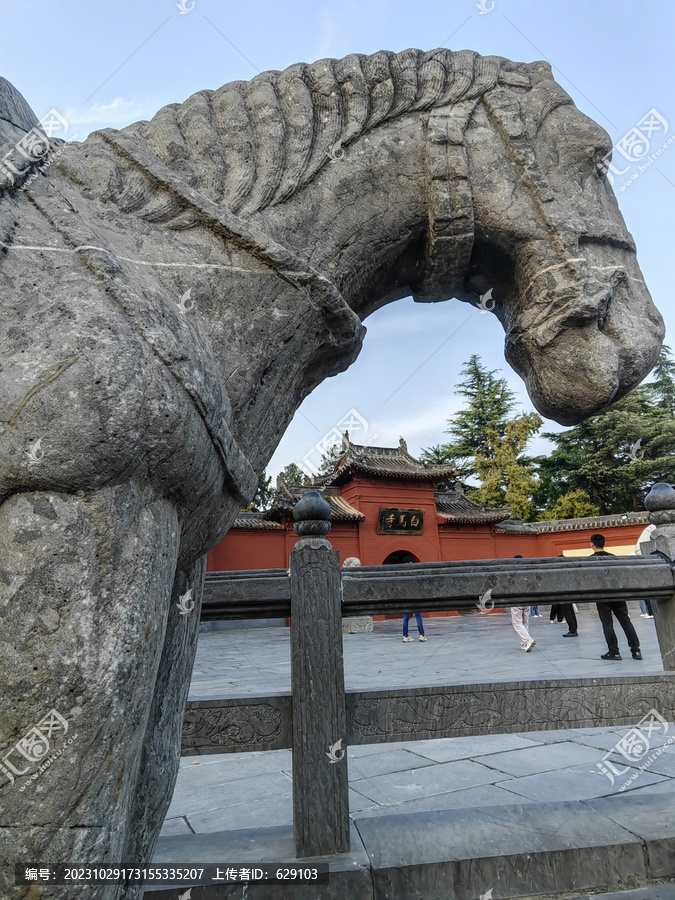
(287, 495)
(384, 462)
(591, 523)
(255, 521)
(455, 508)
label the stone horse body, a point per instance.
(172, 291)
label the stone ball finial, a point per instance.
(312, 515)
(660, 504)
(351, 562)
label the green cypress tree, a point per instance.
(293, 474)
(263, 496)
(615, 457)
(489, 403)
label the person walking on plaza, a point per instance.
(420, 627)
(520, 616)
(565, 611)
(646, 610)
(617, 607)
(556, 613)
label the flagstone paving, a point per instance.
(254, 790)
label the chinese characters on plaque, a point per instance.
(400, 521)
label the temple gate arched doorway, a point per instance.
(398, 557)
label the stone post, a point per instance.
(660, 503)
(320, 779)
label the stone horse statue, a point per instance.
(172, 291)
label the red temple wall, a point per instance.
(244, 549)
(368, 495)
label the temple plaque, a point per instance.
(400, 521)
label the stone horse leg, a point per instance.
(86, 664)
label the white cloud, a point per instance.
(120, 112)
(420, 428)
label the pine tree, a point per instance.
(293, 474)
(663, 386)
(437, 456)
(489, 404)
(487, 442)
(263, 496)
(331, 459)
(615, 457)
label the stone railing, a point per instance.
(318, 719)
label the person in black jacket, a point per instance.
(566, 611)
(620, 610)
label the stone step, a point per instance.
(574, 849)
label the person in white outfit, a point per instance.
(646, 610)
(520, 616)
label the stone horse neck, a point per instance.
(256, 161)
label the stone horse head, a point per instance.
(172, 291)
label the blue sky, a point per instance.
(109, 64)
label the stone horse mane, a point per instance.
(253, 144)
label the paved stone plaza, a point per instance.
(460, 649)
(515, 780)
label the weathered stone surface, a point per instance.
(320, 780)
(427, 713)
(650, 816)
(357, 624)
(660, 502)
(442, 586)
(264, 723)
(233, 726)
(520, 850)
(170, 294)
(350, 873)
